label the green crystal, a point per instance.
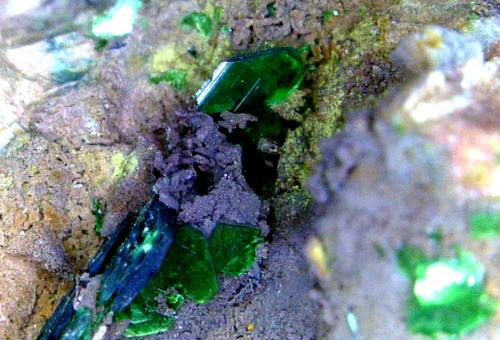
(199, 22)
(484, 225)
(188, 266)
(269, 76)
(448, 293)
(409, 257)
(233, 248)
(98, 212)
(445, 281)
(176, 78)
(155, 325)
(143, 312)
(80, 326)
(175, 301)
(271, 9)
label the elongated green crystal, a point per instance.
(269, 76)
(448, 293)
(233, 248)
(80, 326)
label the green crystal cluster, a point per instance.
(190, 271)
(448, 293)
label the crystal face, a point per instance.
(233, 248)
(269, 76)
(188, 266)
(448, 293)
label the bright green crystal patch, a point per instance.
(198, 21)
(269, 76)
(448, 293)
(233, 248)
(176, 78)
(484, 224)
(118, 21)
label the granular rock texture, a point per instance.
(415, 166)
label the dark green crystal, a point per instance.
(138, 258)
(188, 266)
(233, 248)
(175, 301)
(269, 76)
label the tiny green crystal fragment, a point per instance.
(233, 248)
(118, 21)
(80, 326)
(155, 325)
(188, 266)
(176, 78)
(98, 211)
(484, 225)
(175, 301)
(198, 21)
(448, 293)
(268, 77)
(271, 10)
